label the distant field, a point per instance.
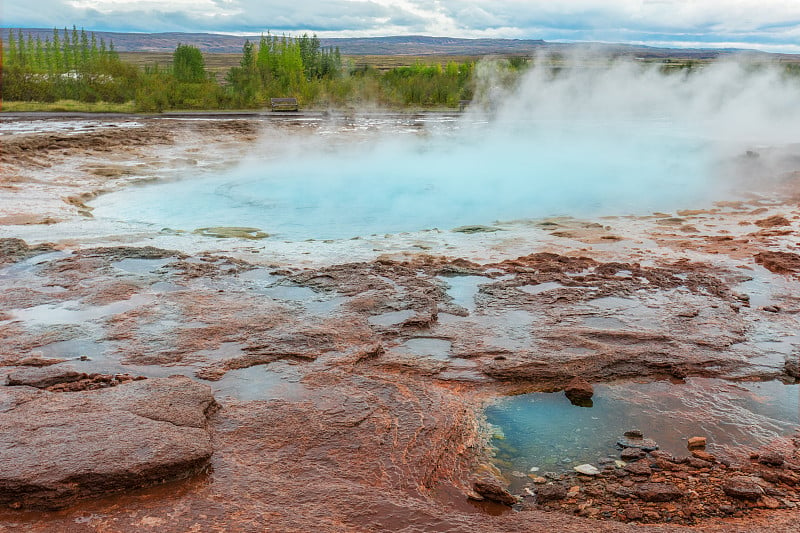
(219, 64)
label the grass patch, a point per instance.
(68, 105)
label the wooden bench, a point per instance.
(284, 104)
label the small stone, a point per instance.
(696, 442)
(771, 458)
(633, 512)
(743, 488)
(634, 434)
(534, 469)
(771, 309)
(546, 493)
(587, 470)
(770, 502)
(619, 464)
(573, 491)
(537, 479)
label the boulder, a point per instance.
(743, 488)
(56, 448)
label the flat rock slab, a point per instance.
(56, 448)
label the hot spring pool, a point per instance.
(544, 431)
(455, 174)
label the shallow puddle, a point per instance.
(545, 432)
(277, 381)
(391, 318)
(427, 347)
(463, 289)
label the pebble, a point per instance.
(587, 470)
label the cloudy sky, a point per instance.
(771, 25)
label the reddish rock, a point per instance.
(578, 389)
(555, 491)
(779, 262)
(771, 458)
(639, 468)
(743, 488)
(772, 222)
(57, 448)
(491, 489)
(631, 454)
(43, 377)
(703, 455)
(696, 442)
(657, 492)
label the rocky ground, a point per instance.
(187, 382)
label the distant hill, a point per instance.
(414, 45)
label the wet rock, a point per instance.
(38, 361)
(743, 488)
(587, 470)
(647, 445)
(57, 448)
(772, 222)
(631, 454)
(634, 434)
(771, 458)
(792, 367)
(43, 377)
(771, 309)
(232, 232)
(555, 491)
(13, 250)
(578, 391)
(491, 489)
(657, 492)
(639, 468)
(704, 456)
(779, 262)
(475, 229)
(696, 442)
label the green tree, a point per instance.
(188, 64)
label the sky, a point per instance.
(768, 25)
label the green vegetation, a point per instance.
(70, 66)
(74, 71)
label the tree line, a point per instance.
(72, 65)
(76, 65)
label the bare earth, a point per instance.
(351, 430)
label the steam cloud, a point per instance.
(599, 137)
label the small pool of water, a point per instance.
(545, 432)
(443, 178)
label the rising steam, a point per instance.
(594, 137)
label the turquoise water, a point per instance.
(545, 431)
(453, 175)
